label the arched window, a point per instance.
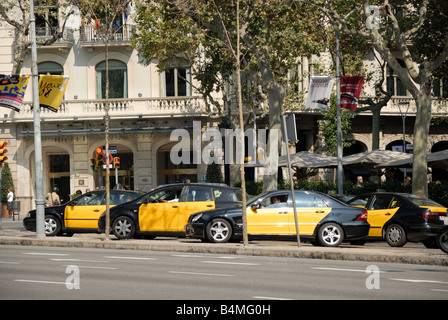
(118, 79)
(50, 68)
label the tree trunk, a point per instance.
(421, 132)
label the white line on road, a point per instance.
(419, 281)
(91, 267)
(39, 281)
(203, 274)
(269, 298)
(130, 258)
(80, 260)
(236, 263)
(8, 262)
(341, 269)
(46, 254)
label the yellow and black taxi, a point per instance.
(401, 217)
(165, 210)
(79, 215)
(321, 219)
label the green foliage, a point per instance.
(214, 173)
(328, 127)
(7, 181)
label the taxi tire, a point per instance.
(52, 226)
(330, 235)
(395, 235)
(123, 227)
(442, 240)
(218, 231)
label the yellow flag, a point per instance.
(51, 91)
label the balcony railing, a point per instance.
(92, 34)
(118, 109)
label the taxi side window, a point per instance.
(166, 195)
(92, 199)
(304, 200)
(221, 194)
(199, 194)
(277, 201)
(380, 202)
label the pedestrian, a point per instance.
(10, 199)
(359, 181)
(52, 199)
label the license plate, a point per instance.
(444, 219)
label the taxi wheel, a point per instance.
(330, 235)
(123, 228)
(442, 240)
(219, 231)
(52, 226)
(395, 235)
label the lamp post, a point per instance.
(40, 202)
(337, 29)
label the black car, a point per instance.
(79, 215)
(402, 217)
(165, 210)
(321, 219)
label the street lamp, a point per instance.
(337, 29)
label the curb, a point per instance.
(386, 255)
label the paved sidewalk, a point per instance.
(13, 233)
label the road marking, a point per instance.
(39, 281)
(91, 267)
(130, 258)
(419, 281)
(8, 262)
(203, 274)
(439, 290)
(47, 254)
(235, 263)
(342, 269)
(270, 298)
(80, 260)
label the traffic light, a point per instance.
(93, 165)
(3, 158)
(117, 162)
(99, 157)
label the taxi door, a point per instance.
(380, 210)
(85, 211)
(270, 216)
(310, 211)
(161, 210)
(196, 199)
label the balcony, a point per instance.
(91, 37)
(138, 108)
(45, 34)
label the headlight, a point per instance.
(196, 217)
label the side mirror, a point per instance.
(255, 206)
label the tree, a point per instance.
(273, 35)
(417, 33)
(7, 181)
(17, 14)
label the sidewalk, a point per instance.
(13, 233)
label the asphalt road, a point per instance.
(108, 274)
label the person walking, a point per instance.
(9, 199)
(52, 199)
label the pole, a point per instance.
(40, 202)
(338, 116)
(285, 134)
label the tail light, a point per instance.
(433, 215)
(363, 216)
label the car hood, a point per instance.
(221, 211)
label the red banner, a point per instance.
(350, 91)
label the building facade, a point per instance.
(145, 107)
